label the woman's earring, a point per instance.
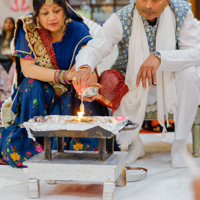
(38, 24)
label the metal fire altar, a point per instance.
(104, 165)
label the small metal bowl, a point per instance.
(90, 91)
(135, 174)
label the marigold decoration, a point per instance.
(78, 146)
(15, 156)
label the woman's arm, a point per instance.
(31, 70)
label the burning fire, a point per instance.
(80, 115)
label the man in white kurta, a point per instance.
(159, 49)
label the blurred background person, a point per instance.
(7, 68)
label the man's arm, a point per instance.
(102, 45)
(189, 48)
(174, 60)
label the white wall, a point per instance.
(5, 9)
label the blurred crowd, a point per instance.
(7, 67)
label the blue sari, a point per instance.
(36, 98)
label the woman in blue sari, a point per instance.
(46, 44)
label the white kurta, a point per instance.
(111, 33)
(182, 61)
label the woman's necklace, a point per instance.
(61, 32)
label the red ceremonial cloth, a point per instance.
(113, 89)
(46, 39)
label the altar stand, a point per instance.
(104, 166)
(77, 166)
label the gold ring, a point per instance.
(74, 78)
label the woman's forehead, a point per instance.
(48, 7)
(8, 20)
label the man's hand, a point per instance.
(71, 73)
(148, 70)
(82, 79)
(93, 98)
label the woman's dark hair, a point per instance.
(3, 35)
(37, 4)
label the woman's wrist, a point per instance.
(61, 77)
(68, 81)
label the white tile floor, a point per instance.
(162, 182)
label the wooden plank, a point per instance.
(197, 9)
(60, 144)
(102, 149)
(193, 2)
(96, 132)
(110, 145)
(47, 148)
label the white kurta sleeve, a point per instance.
(189, 48)
(102, 44)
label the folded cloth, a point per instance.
(113, 89)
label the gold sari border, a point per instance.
(104, 101)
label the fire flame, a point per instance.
(80, 115)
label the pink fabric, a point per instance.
(23, 55)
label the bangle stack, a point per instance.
(60, 76)
(85, 68)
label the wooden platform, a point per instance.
(75, 166)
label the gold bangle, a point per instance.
(61, 77)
